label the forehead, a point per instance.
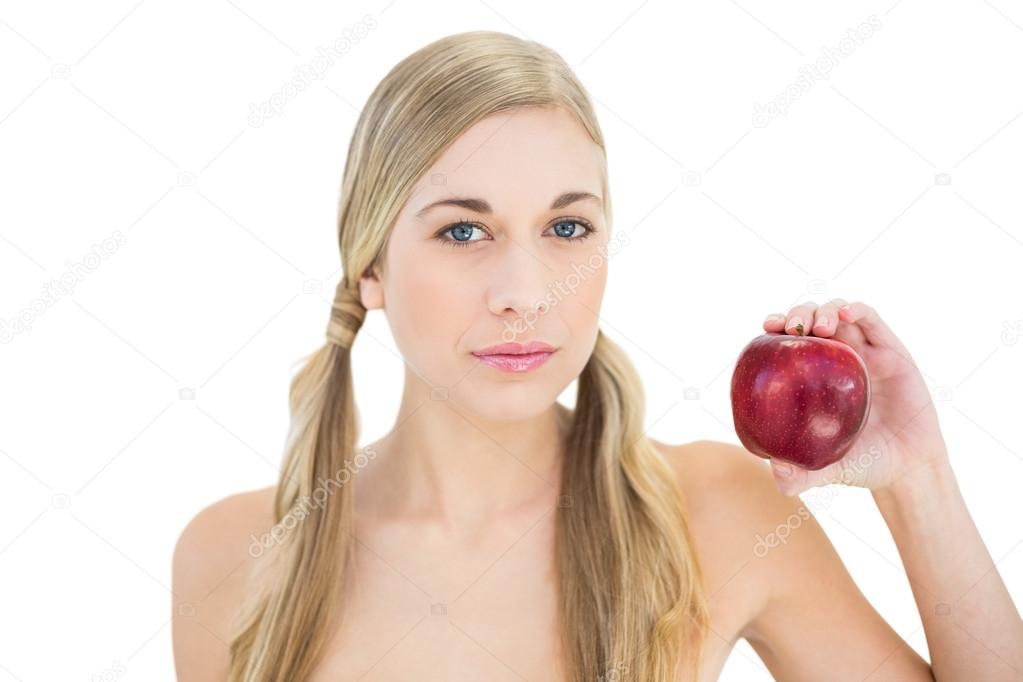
(527, 154)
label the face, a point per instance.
(519, 254)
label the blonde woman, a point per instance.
(494, 534)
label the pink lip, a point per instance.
(519, 362)
(516, 357)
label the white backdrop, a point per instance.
(167, 255)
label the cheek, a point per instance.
(579, 309)
(595, 290)
(585, 278)
(425, 306)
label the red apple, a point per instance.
(800, 399)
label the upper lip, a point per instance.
(516, 348)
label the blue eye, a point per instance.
(571, 230)
(461, 232)
(460, 229)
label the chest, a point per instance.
(416, 609)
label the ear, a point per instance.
(371, 289)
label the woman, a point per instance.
(495, 534)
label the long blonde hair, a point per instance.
(631, 603)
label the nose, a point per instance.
(518, 281)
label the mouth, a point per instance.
(516, 357)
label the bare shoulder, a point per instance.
(758, 545)
(727, 488)
(746, 524)
(213, 558)
(702, 463)
(732, 500)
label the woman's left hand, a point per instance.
(901, 435)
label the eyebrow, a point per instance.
(481, 205)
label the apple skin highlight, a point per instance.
(799, 399)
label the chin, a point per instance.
(507, 400)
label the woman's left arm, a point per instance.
(972, 627)
(973, 630)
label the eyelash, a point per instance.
(467, 221)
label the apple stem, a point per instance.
(799, 328)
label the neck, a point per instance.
(446, 465)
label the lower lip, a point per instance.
(515, 363)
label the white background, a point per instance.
(158, 383)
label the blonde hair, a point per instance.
(631, 600)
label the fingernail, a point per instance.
(783, 469)
(821, 322)
(795, 322)
(773, 318)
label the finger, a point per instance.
(800, 318)
(850, 333)
(792, 480)
(875, 330)
(775, 322)
(825, 319)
